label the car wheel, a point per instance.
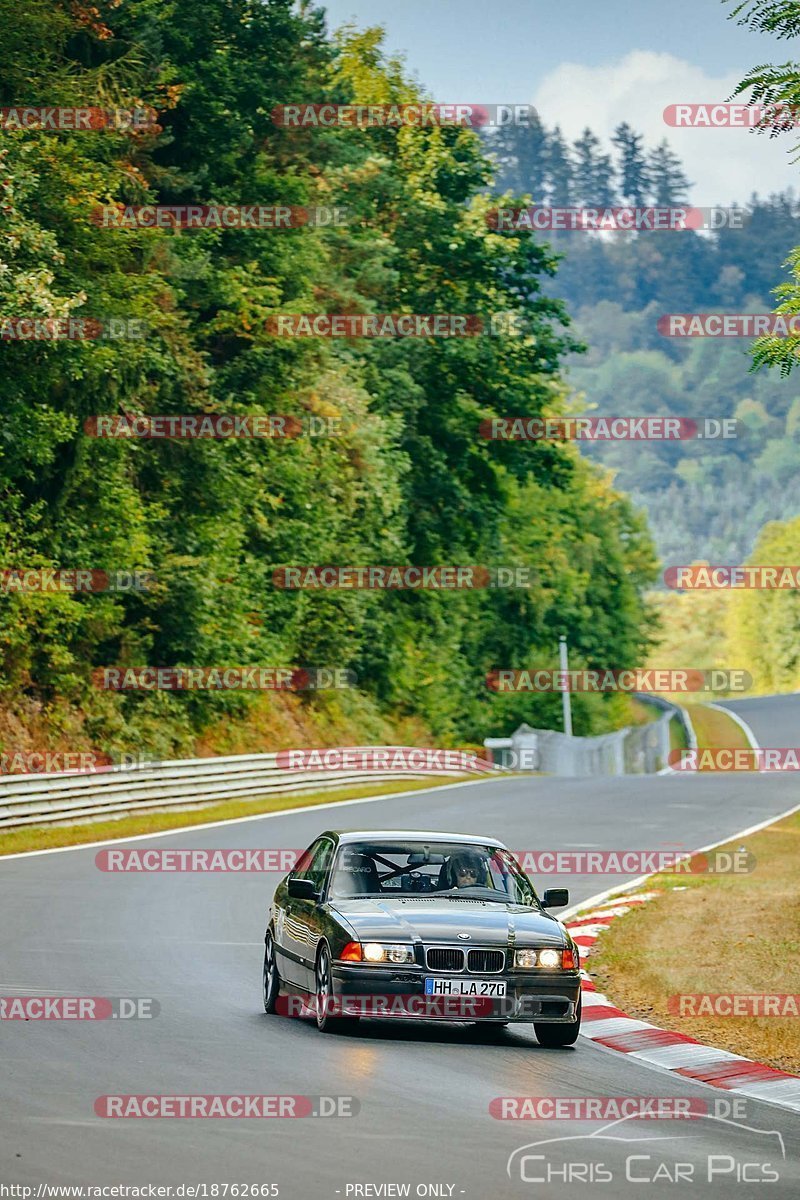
(272, 980)
(553, 1036)
(324, 997)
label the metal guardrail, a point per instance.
(634, 750)
(52, 799)
(680, 713)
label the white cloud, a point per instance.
(725, 165)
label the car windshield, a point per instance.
(456, 870)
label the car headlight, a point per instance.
(549, 958)
(377, 952)
(528, 959)
(525, 958)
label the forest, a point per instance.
(704, 500)
(403, 479)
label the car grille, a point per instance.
(476, 961)
(445, 958)
(485, 962)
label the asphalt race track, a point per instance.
(194, 943)
(775, 720)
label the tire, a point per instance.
(272, 980)
(553, 1036)
(324, 994)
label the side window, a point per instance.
(315, 862)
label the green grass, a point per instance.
(715, 728)
(725, 933)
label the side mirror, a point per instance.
(555, 898)
(302, 889)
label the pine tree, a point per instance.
(559, 170)
(593, 184)
(521, 155)
(633, 172)
(668, 183)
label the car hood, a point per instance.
(432, 920)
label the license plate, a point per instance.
(464, 987)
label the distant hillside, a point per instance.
(703, 499)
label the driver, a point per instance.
(466, 870)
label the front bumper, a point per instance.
(399, 992)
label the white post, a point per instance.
(566, 699)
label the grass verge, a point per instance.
(733, 933)
(715, 728)
(677, 735)
(46, 837)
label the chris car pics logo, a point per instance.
(622, 1152)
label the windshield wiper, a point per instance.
(458, 894)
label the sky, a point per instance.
(587, 63)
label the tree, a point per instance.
(632, 165)
(521, 155)
(778, 90)
(407, 479)
(593, 173)
(668, 183)
(559, 171)
(764, 624)
(781, 17)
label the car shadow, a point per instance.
(519, 1036)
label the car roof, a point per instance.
(412, 835)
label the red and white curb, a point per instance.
(608, 1026)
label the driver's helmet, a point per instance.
(467, 870)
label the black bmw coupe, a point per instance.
(429, 926)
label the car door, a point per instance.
(302, 920)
